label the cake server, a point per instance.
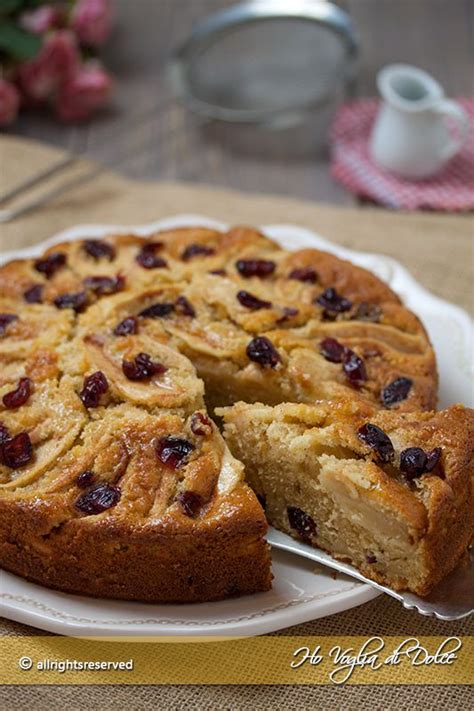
(452, 599)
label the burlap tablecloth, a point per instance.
(437, 249)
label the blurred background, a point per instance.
(164, 140)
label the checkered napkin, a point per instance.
(451, 189)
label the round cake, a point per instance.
(114, 478)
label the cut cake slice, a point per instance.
(389, 492)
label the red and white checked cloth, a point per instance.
(451, 189)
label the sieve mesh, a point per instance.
(265, 57)
(267, 65)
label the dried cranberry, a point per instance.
(142, 368)
(174, 451)
(333, 303)
(196, 250)
(354, 368)
(99, 499)
(85, 479)
(201, 424)
(4, 433)
(301, 522)
(432, 459)
(412, 462)
(51, 264)
(184, 307)
(396, 392)
(157, 311)
(190, 502)
(255, 267)
(261, 350)
(94, 387)
(19, 396)
(367, 312)
(332, 350)
(147, 257)
(98, 250)
(6, 320)
(17, 451)
(34, 295)
(288, 312)
(377, 440)
(127, 327)
(307, 274)
(77, 301)
(102, 285)
(252, 302)
(148, 260)
(370, 558)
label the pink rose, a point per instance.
(9, 102)
(83, 93)
(56, 62)
(41, 20)
(92, 21)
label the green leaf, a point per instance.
(17, 42)
(8, 6)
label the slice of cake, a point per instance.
(390, 493)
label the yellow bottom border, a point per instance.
(258, 660)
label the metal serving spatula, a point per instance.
(452, 599)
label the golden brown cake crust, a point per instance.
(153, 563)
(197, 303)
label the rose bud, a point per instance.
(57, 61)
(41, 20)
(84, 93)
(92, 21)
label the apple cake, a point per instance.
(115, 353)
(389, 493)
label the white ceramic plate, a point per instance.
(300, 592)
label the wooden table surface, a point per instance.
(437, 35)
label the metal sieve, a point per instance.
(265, 61)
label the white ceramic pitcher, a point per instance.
(411, 137)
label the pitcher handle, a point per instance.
(451, 109)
